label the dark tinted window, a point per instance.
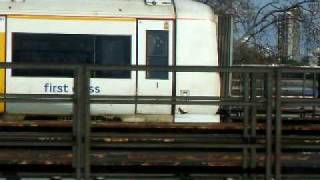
(71, 49)
(113, 51)
(157, 53)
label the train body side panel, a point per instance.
(47, 85)
(2, 58)
(197, 46)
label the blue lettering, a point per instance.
(52, 88)
(59, 89)
(97, 88)
(46, 86)
(65, 88)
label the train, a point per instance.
(111, 32)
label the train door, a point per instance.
(155, 49)
(2, 57)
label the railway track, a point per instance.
(45, 147)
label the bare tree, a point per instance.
(256, 25)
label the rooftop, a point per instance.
(106, 8)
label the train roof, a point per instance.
(107, 8)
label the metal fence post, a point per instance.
(278, 128)
(82, 123)
(253, 94)
(246, 121)
(75, 122)
(268, 156)
(314, 92)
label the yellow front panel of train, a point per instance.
(2, 58)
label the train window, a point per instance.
(113, 50)
(71, 49)
(50, 48)
(157, 53)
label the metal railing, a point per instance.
(253, 143)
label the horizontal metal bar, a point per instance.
(168, 102)
(126, 175)
(96, 97)
(33, 100)
(303, 69)
(10, 95)
(116, 97)
(39, 66)
(133, 145)
(235, 68)
(166, 176)
(300, 101)
(202, 136)
(41, 98)
(301, 137)
(306, 176)
(135, 68)
(36, 144)
(182, 98)
(301, 146)
(152, 176)
(171, 146)
(33, 134)
(180, 68)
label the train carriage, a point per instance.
(111, 32)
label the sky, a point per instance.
(273, 41)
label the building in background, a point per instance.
(289, 35)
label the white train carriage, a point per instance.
(110, 32)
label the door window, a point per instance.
(157, 52)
